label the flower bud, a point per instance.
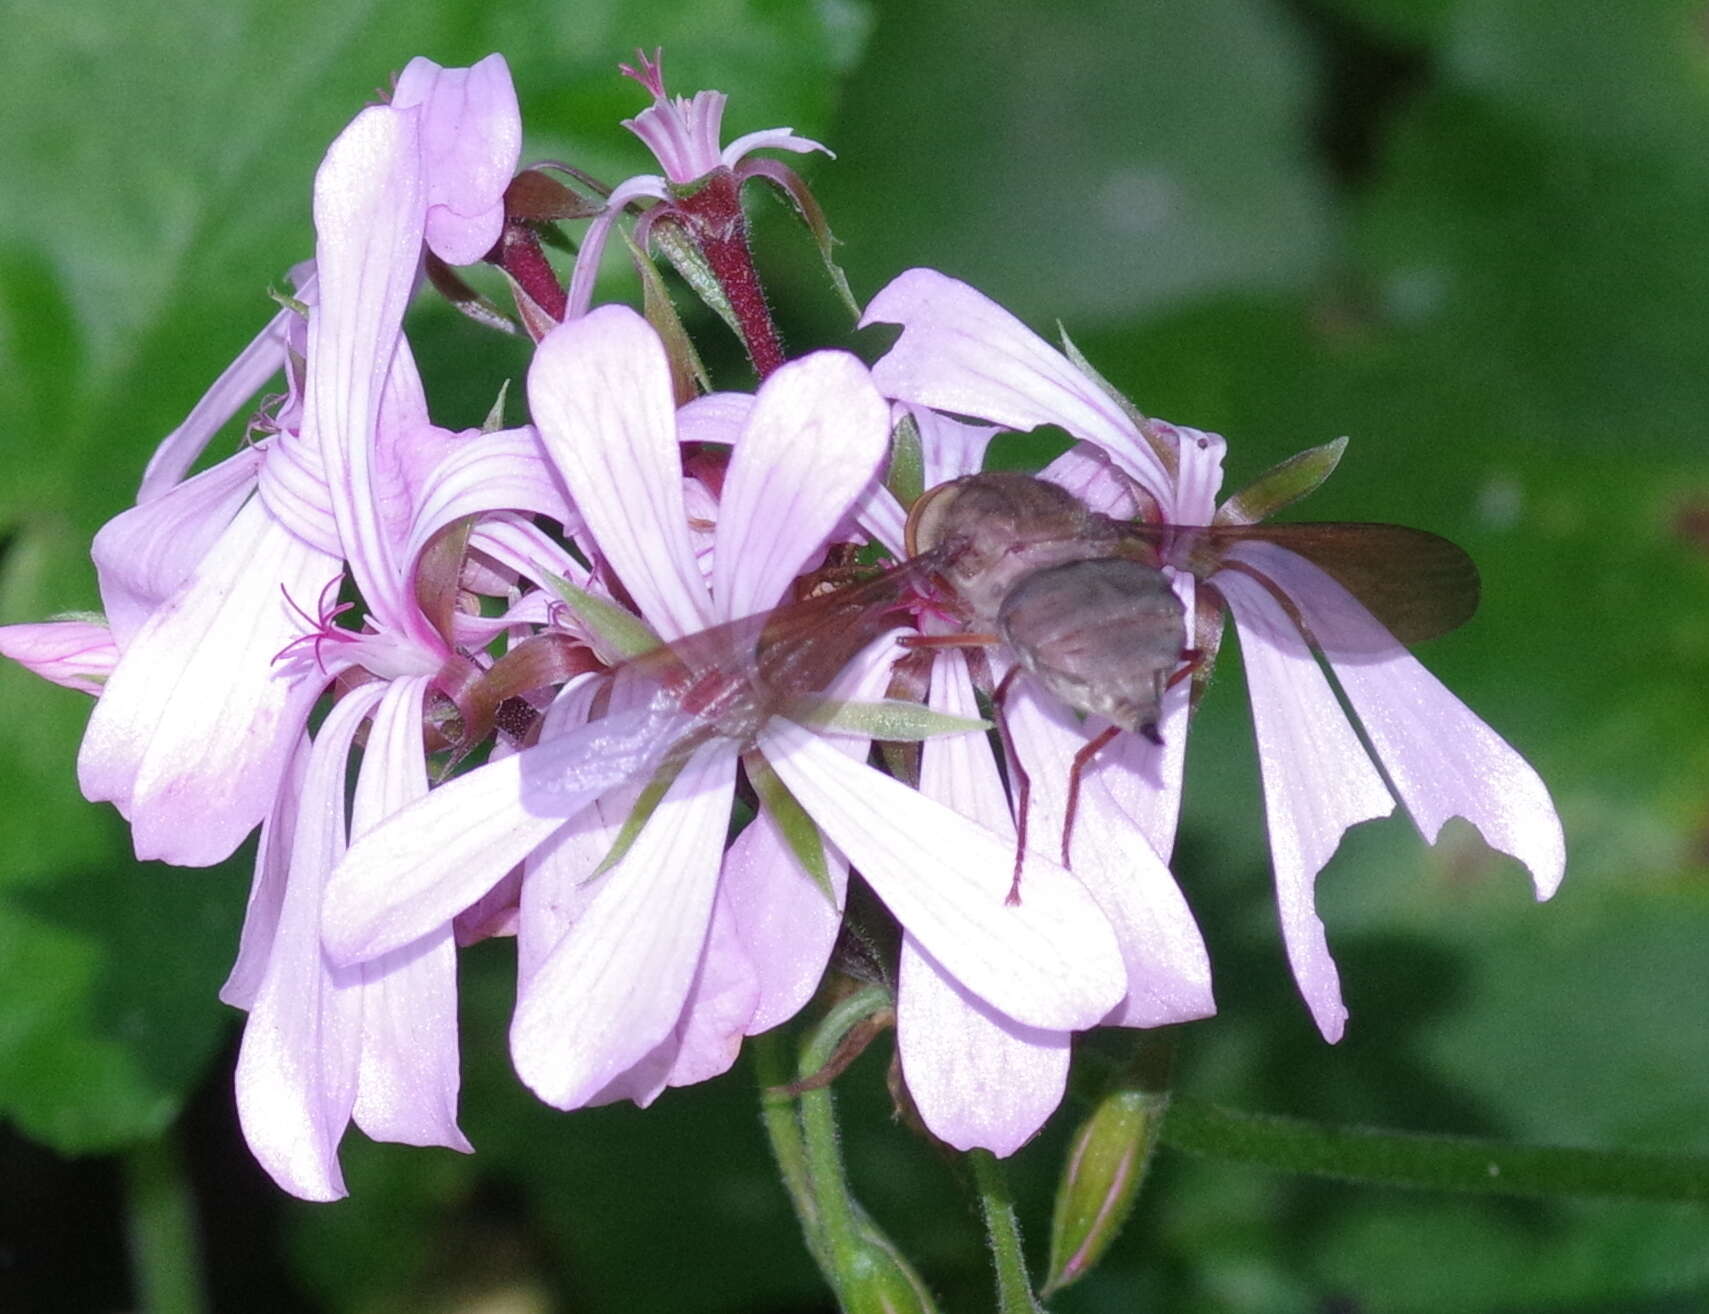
(1100, 1178)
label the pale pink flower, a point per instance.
(962, 353)
(587, 1028)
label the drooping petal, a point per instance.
(1318, 781)
(977, 1077)
(267, 886)
(296, 1068)
(962, 352)
(1049, 961)
(614, 986)
(422, 866)
(1444, 761)
(471, 139)
(600, 392)
(812, 443)
(407, 1078)
(769, 139)
(77, 654)
(502, 471)
(1168, 969)
(586, 273)
(192, 731)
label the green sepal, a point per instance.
(890, 719)
(288, 302)
(616, 634)
(792, 822)
(686, 259)
(1164, 451)
(1282, 485)
(646, 803)
(906, 475)
(495, 415)
(794, 189)
(688, 372)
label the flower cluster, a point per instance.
(602, 604)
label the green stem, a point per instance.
(160, 1212)
(1014, 1286)
(839, 1224)
(783, 1130)
(1442, 1163)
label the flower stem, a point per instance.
(160, 1212)
(783, 1130)
(839, 1226)
(1002, 1228)
(1440, 1163)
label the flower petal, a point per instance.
(1049, 961)
(720, 1005)
(471, 139)
(191, 734)
(812, 443)
(146, 554)
(423, 865)
(1318, 781)
(368, 206)
(600, 391)
(1168, 969)
(615, 985)
(1443, 760)
(962, 352)
(978, 1078)
(296, 1067)
(407, 1079)
(79, 655)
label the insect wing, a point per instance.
(1416, 584)
(736, 674)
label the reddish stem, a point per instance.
(714, 214)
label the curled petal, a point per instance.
(471, 139)
(962, 352)
(407, 1079)
(770, 139)
(296, 1068)
(502, 471)
(77, 654)
(1318, 781)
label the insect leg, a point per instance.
(1076, 769)
(1023, 782)
(1191, 660)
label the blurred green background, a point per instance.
(1473, 235)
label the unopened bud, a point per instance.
(1101, 1177)
(884, 1282)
